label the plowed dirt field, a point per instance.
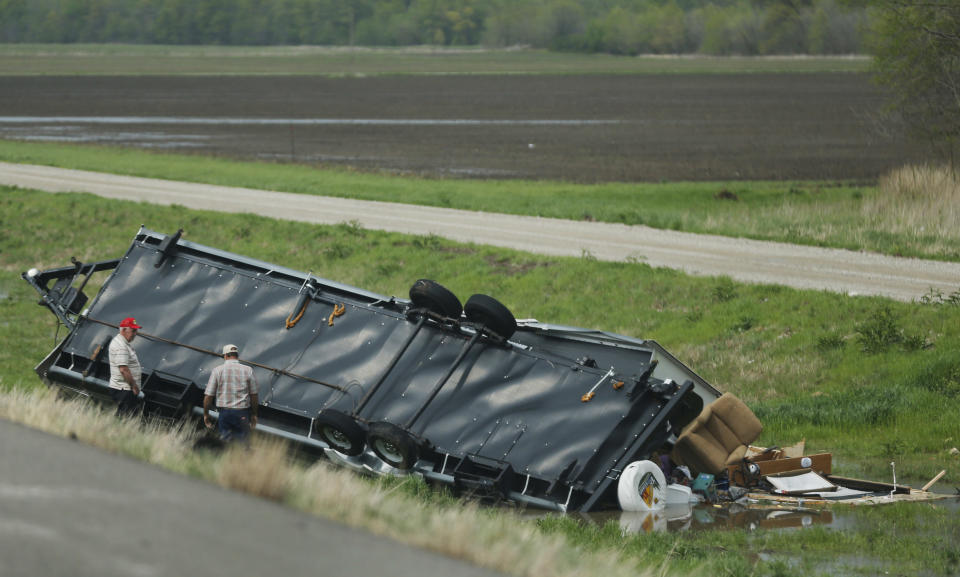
(576, 128)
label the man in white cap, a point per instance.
(125, 370)
(234, 389)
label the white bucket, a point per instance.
(678, 494)
(642, 487)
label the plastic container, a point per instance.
(642, 487)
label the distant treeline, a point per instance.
(748, 27)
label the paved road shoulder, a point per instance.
(71, 509)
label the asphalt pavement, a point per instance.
(72, 510)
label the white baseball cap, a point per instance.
(230, 349)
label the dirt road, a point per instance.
(742, 259)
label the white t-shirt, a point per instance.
(121, 353)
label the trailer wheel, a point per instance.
(434, 297)
(394, 445)
(340, 431)
(489, 312)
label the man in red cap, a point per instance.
(125, 370)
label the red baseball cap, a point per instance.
(129, 323)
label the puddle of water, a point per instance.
(78, 134)
(296, 121)
(727, 516)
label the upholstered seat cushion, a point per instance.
(718, 436)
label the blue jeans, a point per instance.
(234, 424)
(127, 403)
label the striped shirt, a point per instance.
(232, 384)
(123, 355)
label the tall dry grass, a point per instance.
(261, 469)
(151, 441)
(919, 201)
(499, 540)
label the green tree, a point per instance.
(784, 26)
(669, 28)
(916, 45)
(13, 13)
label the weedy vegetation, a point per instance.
(142, 59)
(899, 217)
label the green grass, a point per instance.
(139, 60)
(831, 214)
(763, 342)
(848, 374)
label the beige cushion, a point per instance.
(718, 436)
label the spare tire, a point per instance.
(489, 312)
(434, 297)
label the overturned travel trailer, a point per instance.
(466, 395)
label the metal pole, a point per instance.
(393, 363)
(443, 380)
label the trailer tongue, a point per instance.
(542, 414)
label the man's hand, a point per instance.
(128, 377)
(207, 406)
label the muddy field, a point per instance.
(578, 128)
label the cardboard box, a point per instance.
(799, 482)
(767, 465)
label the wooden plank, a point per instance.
(933, 480)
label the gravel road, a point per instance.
(745, 260)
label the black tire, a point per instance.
(489, 312)
(434, 297)
(340, 431)
(395, 446)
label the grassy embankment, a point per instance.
(913, 212)
(868, 379)
(140, 60)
